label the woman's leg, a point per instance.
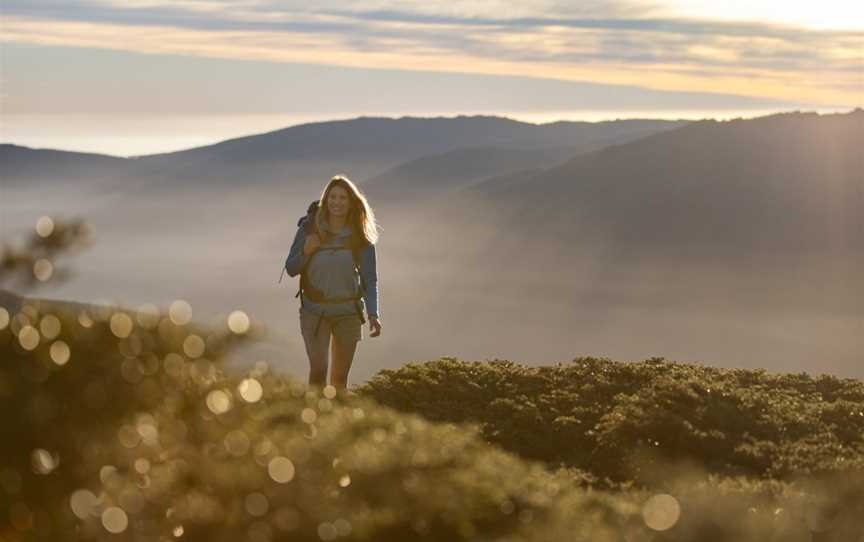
(317, 347)
(343, 356)
(346, 332)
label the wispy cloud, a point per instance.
(599, 41)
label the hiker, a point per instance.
(334, 254)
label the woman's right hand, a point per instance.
(311, 244)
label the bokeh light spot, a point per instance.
(84, 320)
(250, 390)
(45, 226)
(129, 371)
(281, 469)
(174, 364)
(180, 312)
(109, 476)
(148, 316)
(43, 270)
(329, 391)
(4, 318)
(148, 364)
(114, 520)
(50, 326)
(237, 443)
(82, 503)
(60, 352)
(661, 512)
(142, 465)
(308, 415)
(128, 436)
(28, 337)
(121, 325)
(146, 427)
(257, 504)
(345, 481)
(327, 531)
(193, 346)
(218, 402)
(238, 322)
(43, 462)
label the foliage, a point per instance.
(614, 420)
(137, 432)
(131, 431)
(35, 262)
(750, 454)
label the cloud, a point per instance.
(601, 41)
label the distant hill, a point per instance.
(786, 184)
(415, 181)
(309, 153)
(412, 137)
(18, 162)
(433, 175)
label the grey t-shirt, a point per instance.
(332, 271)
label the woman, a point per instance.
(336, 255)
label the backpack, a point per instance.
(310, 226)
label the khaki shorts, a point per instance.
(345, 329)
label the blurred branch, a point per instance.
(34, 263)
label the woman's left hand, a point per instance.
(374, 327)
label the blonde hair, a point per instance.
(361, 217)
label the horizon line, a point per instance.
(587, 117)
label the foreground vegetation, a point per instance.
(618, 421)
(120, 425)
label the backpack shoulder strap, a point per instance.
(358, 243)
(310, 226)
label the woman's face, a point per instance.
(338, 202)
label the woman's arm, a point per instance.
(368, 268)
(296, 259)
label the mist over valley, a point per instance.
(736, 243)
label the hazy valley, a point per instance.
(731, 243)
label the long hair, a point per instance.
(361, 217)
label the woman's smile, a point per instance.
(338, 201)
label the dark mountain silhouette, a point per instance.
(364, 147)
(416, 180)
(783, 184)
(18, 163)
(307, 153)
(411, 137)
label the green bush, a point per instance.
(614, 420)
(121, 425)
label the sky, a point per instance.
(130, 77)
